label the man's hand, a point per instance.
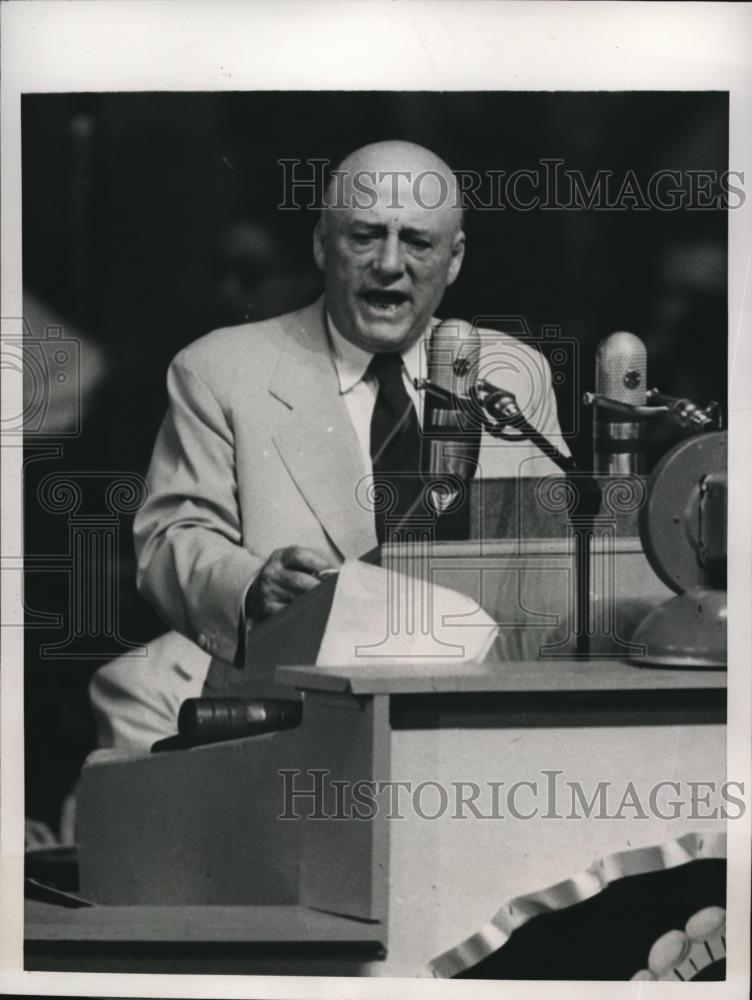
(285, 575)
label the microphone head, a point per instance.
(454, 356)
(621, 369)
(452, 432)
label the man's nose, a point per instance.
(389, 261)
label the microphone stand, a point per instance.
(498, 411)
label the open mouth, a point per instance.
(385, 300)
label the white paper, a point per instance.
(380, 615)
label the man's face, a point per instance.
(386, 265)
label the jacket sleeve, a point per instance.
(192, 565)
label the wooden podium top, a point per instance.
(532, 694)
(515, 677)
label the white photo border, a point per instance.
(194, 45)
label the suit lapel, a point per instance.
(317, 441)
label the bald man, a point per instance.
(273, 429)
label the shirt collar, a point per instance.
(351, 361)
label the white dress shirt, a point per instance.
(359, 389)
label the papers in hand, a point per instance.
(380, 615)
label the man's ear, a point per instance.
(319, 253)
(457, 256)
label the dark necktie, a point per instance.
(395, 445)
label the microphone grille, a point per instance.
(454, 355)
(621, 369)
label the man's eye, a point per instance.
(361, 238)
(418, 243)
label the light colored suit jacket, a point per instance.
(257, 451)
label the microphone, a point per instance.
(620, 375)
(686, 414)
(451, 429)
(460, 405)
(500, 404)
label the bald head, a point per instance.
(389, 242)
(401, 175)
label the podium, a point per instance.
(517, 565)
(414, 800)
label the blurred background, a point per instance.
(150, 218)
